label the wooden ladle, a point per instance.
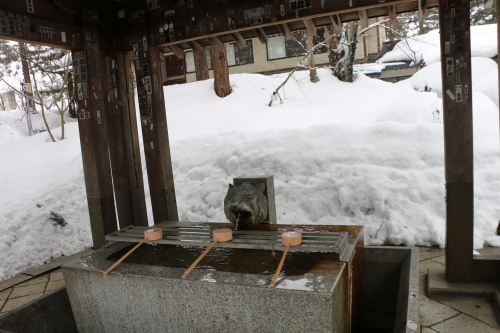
(289, 238)
(149, 235)
(220, 235)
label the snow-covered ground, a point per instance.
(368, 153)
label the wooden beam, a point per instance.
(336, 22)
(154, 129)
(311, 28)
(240, 41)
(217, 44)
(393, 20)
(363, 18)
(457, 123)
(93, 138)
(261, 35)
(422, 7)
(24, 28)
(285, 31)
(196, 46)
(179, 53)
(209, 21)
(126, 167)
(42, 11)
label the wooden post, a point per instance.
(221, 72)
(123, 139)
(93, 137)
(154, 129)
(200, 65)
(200, 61)
(454, 22)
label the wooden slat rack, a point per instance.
(332, 242)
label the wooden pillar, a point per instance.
(154, 129)
(200, 65)
(454, 22)
(93, 137)
(498, 52)
(221, 72)
(126, 168)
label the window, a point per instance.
(296, 46)
(276, 48)
(320, 38)
(189, 56)
(237, 56)
(189, 62)
(279, 48)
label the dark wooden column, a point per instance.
(221, 70)
(154, 129)
(126, 168)
(454, 22)
(93, 137)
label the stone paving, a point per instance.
(33, 283)
(25, 292)
(452, 314)
(442, 314)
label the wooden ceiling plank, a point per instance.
(363, 18)
(285, 30)
(311, 28)
(336, 22)
(216, 42)
(261, 35)
(179, 53)
(196, 46)
(238, 38)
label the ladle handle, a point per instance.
(193, 265)
(275, 277)
(124, 257)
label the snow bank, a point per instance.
(484, 78)
(427, 47)
(368, 153)
(8, 134)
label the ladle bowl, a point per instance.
(291, 238)
(153, 234)
(223, 235)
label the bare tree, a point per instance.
(49, 71)
(341, 64)
(342, 56)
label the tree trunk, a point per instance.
(342, 57)
(62, 125)
(221, 73)
(312, 71)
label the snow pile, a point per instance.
(7, 134)
(16, 121)
(427, 47)
(484, 78)
(368, 153)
